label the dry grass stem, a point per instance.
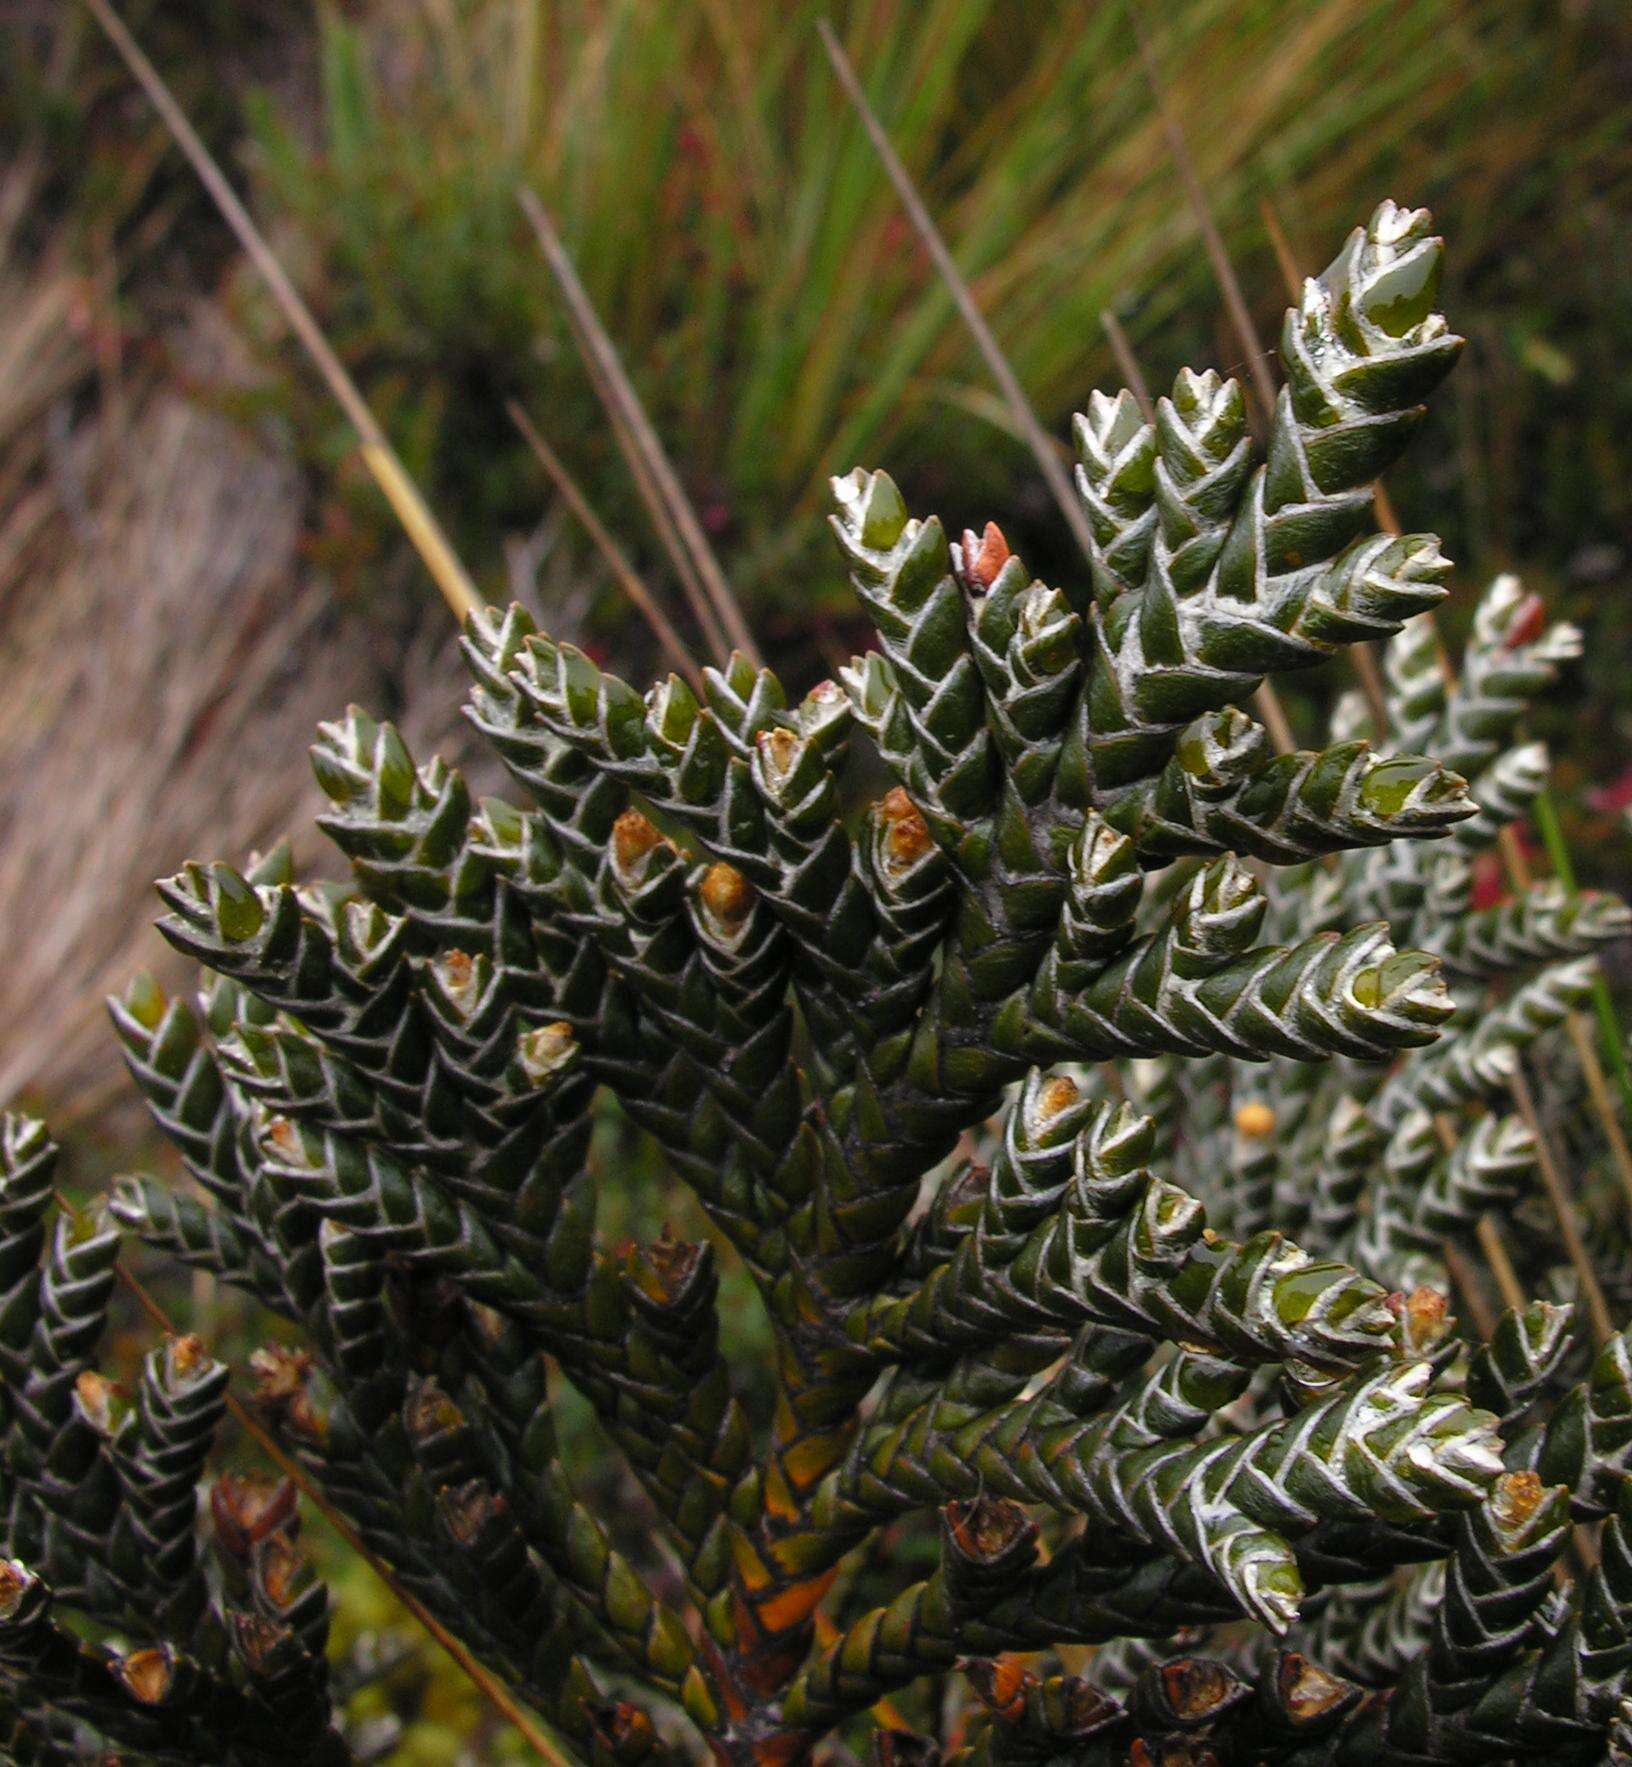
(1263, 382)
(422, 526)
(615, 386)
(624, 573)
(1025, 418)
(1569, 1229)
(1127, 364)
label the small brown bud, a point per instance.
(96, 1395)
(1517, 1497)
(780, 748)
(467, 1509)
(1056, 1098)
(542, 1052)
(459, 976)
(991, 557)
(622, 1729)
(727, 897)
(280, 1373)
(906, 834)
(284, 1137)
(280, 1569)
(1000, 1683)
(1197, 1689)
(185, 1354)
(16, 1583)
(979, 560)
(1526, 623)
(666, 1269)
(148, 1675)
(633, 837)
(429, 1412)
(987, 1529)
(1307, 1693)
(1075, 1709)
(247, 1508)
(1425, 1318)
(257, 1639)
(1256, 1121)
(283, 1389)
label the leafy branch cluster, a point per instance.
(1092, 1112)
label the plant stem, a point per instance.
(1025, 418)
(628, 578)
(379, 457)
(1603, 1327)
(1127, 364)
(1513, 861)
(617, 391)
(1235, 304)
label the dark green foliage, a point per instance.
(214, 1662)
(1158, 1360)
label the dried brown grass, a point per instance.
(168, 653)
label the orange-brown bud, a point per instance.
(284, 1137)
(1056, 1098)
(1000, 1683)
(543, 1051)
(1197, 1690)
(727, 897)
(1517, 1497)
(186, 1353)
(247, 1508)
(985, 1529)
(96, 1395)
(1256, 1121)
(1307, 1692)
(148, 1675)
(622, 1729)
(664, 1270)
(283, 1388)
(280, 1568)
(906, 834)
(16, 1581)
(1425, 1319)
(779, 746)
(985, 557)
(469, 1508)
(633, 837)
(257, 1639)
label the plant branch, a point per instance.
(487, 1684)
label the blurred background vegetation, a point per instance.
(194, 565)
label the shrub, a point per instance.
(923, 1070)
